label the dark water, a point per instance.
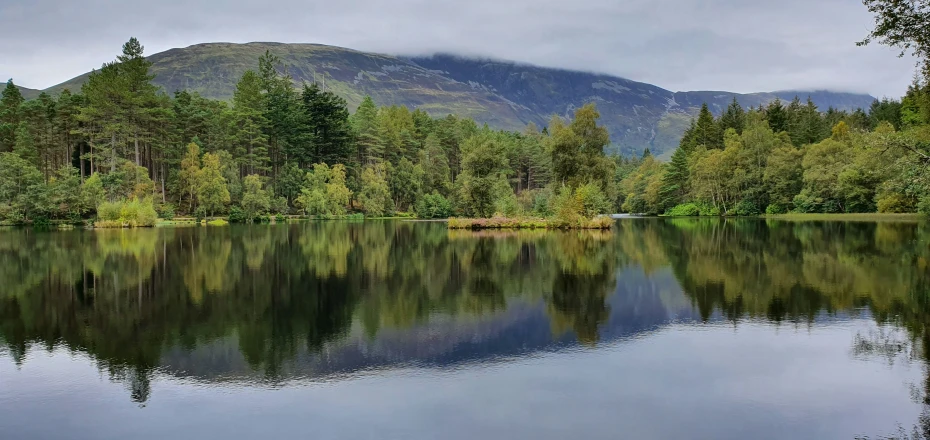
(659, 329)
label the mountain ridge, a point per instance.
(504, 94)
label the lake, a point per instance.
(658, 329)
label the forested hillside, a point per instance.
(505, 95)
(122, 151)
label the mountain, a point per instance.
(500, 93)
(29, 93)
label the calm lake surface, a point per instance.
(659, 329)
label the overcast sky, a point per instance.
(733, 45)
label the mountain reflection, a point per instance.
(272, 303)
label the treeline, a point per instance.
(791, 158)
(280, 149)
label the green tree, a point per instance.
(375, 195)
(93, 192)
(248, 107)
(483, 166)
(406, 183)
(707, 132)
(66, 192)
(25, 145)
(188, 177)
(212, 192)
(23, 193)
(10, 101)
(901, 24)
(255, 199)
(365, 124)
(734, 117)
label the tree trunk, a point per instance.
(113, 152)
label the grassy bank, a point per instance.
(528, 223)
(863, 217)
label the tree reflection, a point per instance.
(280, 292)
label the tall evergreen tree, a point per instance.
(248, 108)
(734, 117)
(776, 116)
(707, 131)
(10, 101)
(365, 123)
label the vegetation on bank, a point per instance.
(601, 222)
(276, 150)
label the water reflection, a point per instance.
(271, 303)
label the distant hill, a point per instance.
(502, 94)
(29, 93)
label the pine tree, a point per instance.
(776, 116)
(25, 145)
(248, 109)
(138, 93)
(10, 102)
(707, 131)
(365, 123)
(675, 180)
(734, 117)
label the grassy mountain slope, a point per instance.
(502, 94)
(29, 93)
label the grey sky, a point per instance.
(733, 45)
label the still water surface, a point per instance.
(399, 330)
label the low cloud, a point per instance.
(734, 45)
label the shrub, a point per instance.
(433, 206)
(745, 208)
(109, 211)
(591, 201)
(280, 218)
(897, 203)
(923, 206)
(684, 210)
(166, 211)
(262, 219)
(218, 222)
(126, 213)
(279, 205)
(200, 213)
(709, 210)
(236, 215)
(775, 208)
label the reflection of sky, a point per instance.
(682, 381)
(658, 373)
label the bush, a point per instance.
(166, 211)
(923, 206)
(541, 202)
(896, 203)
(261, 219)
(684, 210)
(708, 210)
(745, 208)
(236, 215)
(109, 211)
(218, 222)
(591, 200)
(200, 213)
(280, 218)
(433, 206)
(775, 208)
(126, 213)
(279, 206)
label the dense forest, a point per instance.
(124, 152)
(791, 157)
